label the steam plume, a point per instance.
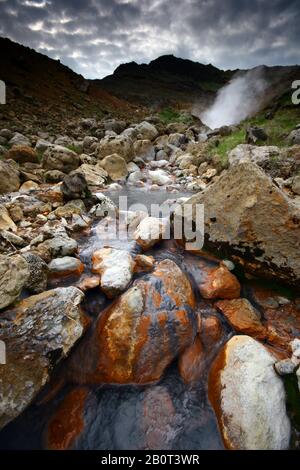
(238, 100)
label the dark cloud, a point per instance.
(94, 36)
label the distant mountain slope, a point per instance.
(166, 81)
(45, 89)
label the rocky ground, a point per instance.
(54, 189)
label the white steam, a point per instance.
(236, 101)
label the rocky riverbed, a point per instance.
(134, 342)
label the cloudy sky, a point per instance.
(94, 36)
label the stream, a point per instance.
(167, 415)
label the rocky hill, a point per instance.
(44, 92)
(166, 81)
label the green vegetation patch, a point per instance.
(169, 115)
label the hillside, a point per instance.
(44, 91)
(166, 81)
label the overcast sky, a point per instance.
(94, 36)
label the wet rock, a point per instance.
(65, 266)
(38, 273)
(211, 331)
(88, 283)
(144, 263)
(115, 166)
(220, 283)
(105, 206)
(249, 397)
(67, 423)
(283, 325)
(60, 158)
(137, 337)
(115, 268)
(74, 186)
(150, 231)
(243, 317)
(121, 145)
(14, 273)
(38, 332)
(158, 420)
(9, 177)
(95, 175)
(22, 154)
(136, 177)
(249, 218)
(6, 223)
(159, 177)
(255, 135)
(192, 361)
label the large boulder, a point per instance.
(250, 219)
(38, 273)
(260, 155)
(121, 144)
(249, 397)
(14, 273)
(115, 166)
(9, 177)
(294, 137)
(60, 158)
(38, 333)
(139, 335)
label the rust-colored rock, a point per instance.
(283, 325)
(89, 283)
(211, 331)
(22, 154)
(138, 336)
(242, 316)
(220, 283)
(192, 361)
(67, 423)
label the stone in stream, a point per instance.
(115, 268)
(14, 274)
(67, 423)
(150, 231)
(248, 397)
(220, 283)
(65, 266)
(192, 361)
(38, 333)
(243, 317)
(94, 175)
(252, 221)
(139, 335)
(160, 177)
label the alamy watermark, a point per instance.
(2, 92)
(296, 93)
(169, 220)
